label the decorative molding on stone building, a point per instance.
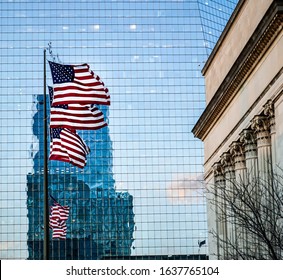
(267, 30)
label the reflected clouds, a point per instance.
(186, 189)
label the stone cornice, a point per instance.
(250, 138)
(262, 38)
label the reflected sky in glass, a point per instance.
(150, 55)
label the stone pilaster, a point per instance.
(238, 155)
(269, 112)
(229, 175)
(248, 140)
(219, 182)
(261, 126)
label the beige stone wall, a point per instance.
(236, 38)
(247, 97)
(258, 98)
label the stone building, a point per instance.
(241, 126)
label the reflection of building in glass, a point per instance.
(150, 55)
(101, 221)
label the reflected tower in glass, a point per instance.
(101, 220)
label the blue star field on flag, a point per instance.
(62, 73)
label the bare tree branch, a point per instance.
(254, 211)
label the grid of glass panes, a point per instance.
(141, 194)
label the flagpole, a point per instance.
(45, 192)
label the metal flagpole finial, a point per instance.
(52, 55)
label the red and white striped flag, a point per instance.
(75, 116)
(77, 84)
(57, 220)
(67, 146)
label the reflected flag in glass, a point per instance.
(66, 145)
(75, 116)
(57, 220)
(77, 84)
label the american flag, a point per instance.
(67, 146)
(57, 220)
(75, 116)
(77, 84)
(201, 243)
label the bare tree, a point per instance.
(250, 213)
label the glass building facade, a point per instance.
(141, 193)
(101, 222)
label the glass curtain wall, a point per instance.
(141, 193)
